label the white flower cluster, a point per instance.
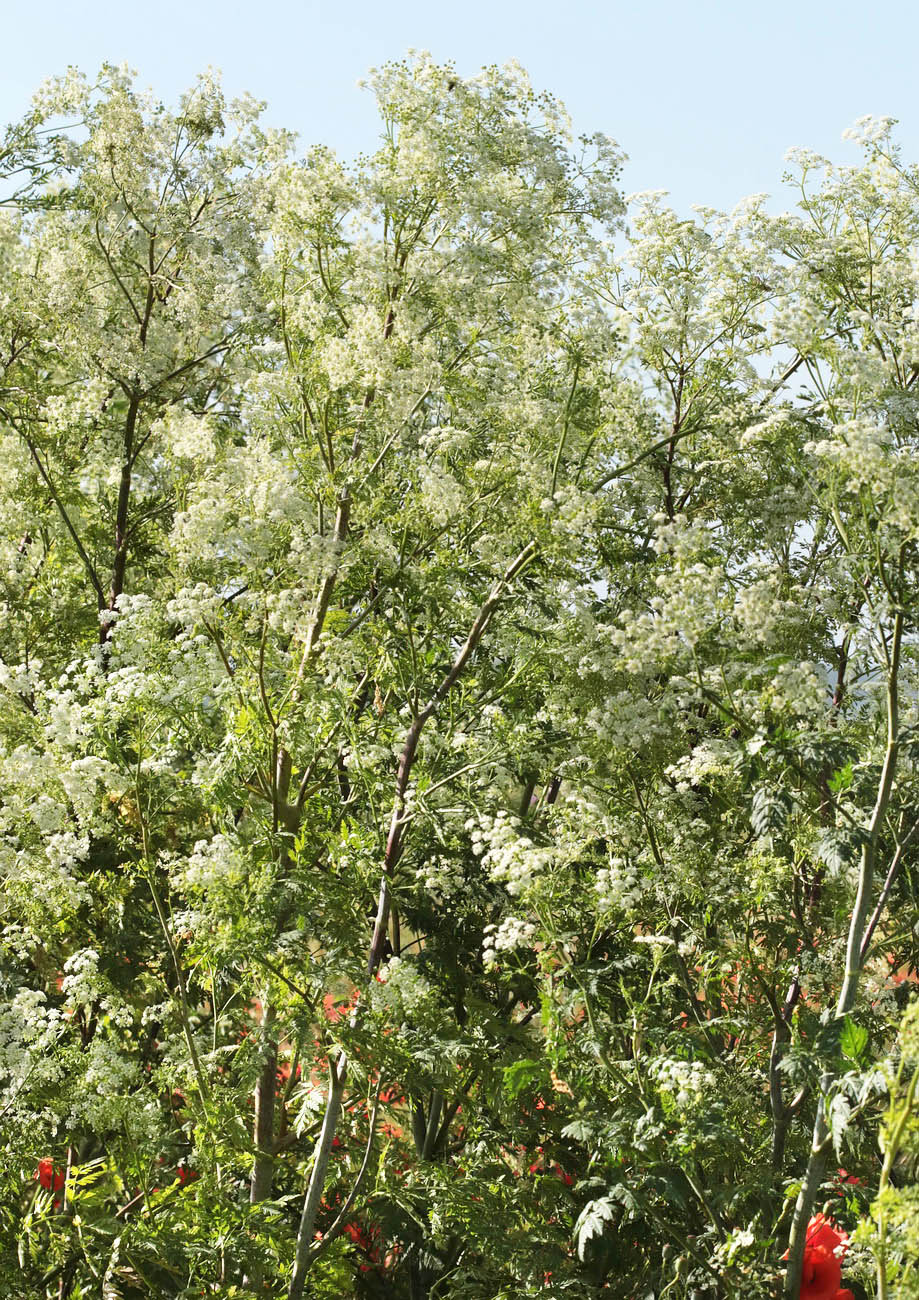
(82, 781)
(358, 357)
(186, 436)
(84, 986)
(619, 886)
(712, 758)
(41, 875)
(66, 718)
(691, 604)
(683, 1081)
(65, 850)
(213, 864)
(798, 688)
(442, 497)
(869, 130)
(442, 440)
(512, 859)
(441, 877)
(401, 989)
(678, 537)
(108, 1072)
(20, 679)
(191, 606)
(758, 609)
(510, 934)
(80, 985)
(238, 515)
(626, 721)
(28, 1031)
(797, 321)
(573, 511)
(61, 95)
(135, 632)
(861, 450)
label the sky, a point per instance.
(705, 96)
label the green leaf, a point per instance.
(769, 810)
(523, 1076)
(841, 779)
(853, 1040)
(837, 849)
(592, 1220)
(579, 1130)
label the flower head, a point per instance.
(821, 1231)
(823, 1251)
(49, 1177)
(821, 1275)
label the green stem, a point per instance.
(849, 990)
(890, 1154)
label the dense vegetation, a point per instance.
(458, 711)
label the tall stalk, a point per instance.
(848, 992)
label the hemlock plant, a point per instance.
(458, 719)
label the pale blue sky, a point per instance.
(704, 95)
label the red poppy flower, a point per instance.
(353, 1231)
(49, 1177)
(821, 1231)
(821, 1275)
(825, 1246)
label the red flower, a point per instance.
(821, 1275)
(825, 1246)
(822, 1232)
(186, 1175)
(48, 1176)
